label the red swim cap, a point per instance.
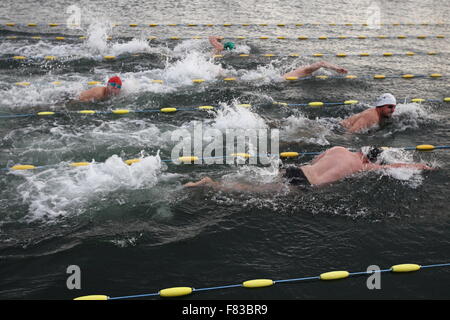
(115, 80)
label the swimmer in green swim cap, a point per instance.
(228, 45)
(218, 46)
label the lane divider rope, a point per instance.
(261, 283)
(279, 24)
(171, 110)
(195, 159)
(262, 37)
(433, 76)
(21, 58)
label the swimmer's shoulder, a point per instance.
(96, 93)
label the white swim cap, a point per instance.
(384, 99)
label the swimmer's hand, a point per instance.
(426, 167)
(334, 67)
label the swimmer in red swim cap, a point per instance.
(101, 93)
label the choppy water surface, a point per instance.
(135, 229)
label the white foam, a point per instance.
(97, 35)
(182, 49)
(221, 127)
(95, 46)
(412, 115)
(64, 190)
(203, 46)
(410, 176)
(264, 74)
(194, 66)
(41, 92)
(237, 117)
(301, 129)
(134, 45)
(134, 83)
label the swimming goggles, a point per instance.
(115, 85)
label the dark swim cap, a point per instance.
(228, 45)
(373, 153)
(294, 175)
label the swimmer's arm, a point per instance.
(235, 186)
(92, 94)
(215, 43)
(86, 96)
(321, 64)
(333, 67)
(243, 187)
(307, 70)
(419, 166)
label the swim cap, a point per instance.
(115, 80)
(294, 175)
(384, 99)
(228, 45)
(371, 153)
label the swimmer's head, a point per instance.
(114, 85)
(229, 45)
(386, 104)
(293, 174)
(371, 153)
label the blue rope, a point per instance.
(298, 279)
(219, 287)
(301, 154)
(275, 281)
(17, 115)
(189, 109)
(135, 296)
(253, 38)
(369, 272)
(436, 265)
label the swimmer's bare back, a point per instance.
(361, 121)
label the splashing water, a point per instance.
(61, 191)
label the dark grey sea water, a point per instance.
(135, 229)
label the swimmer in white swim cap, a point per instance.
(384, 108)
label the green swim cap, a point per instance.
(228, 45)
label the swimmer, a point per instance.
(330, 166)
(384, 108)
(101, 93)
(299, 72)
(307, 70)
(218, 46)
